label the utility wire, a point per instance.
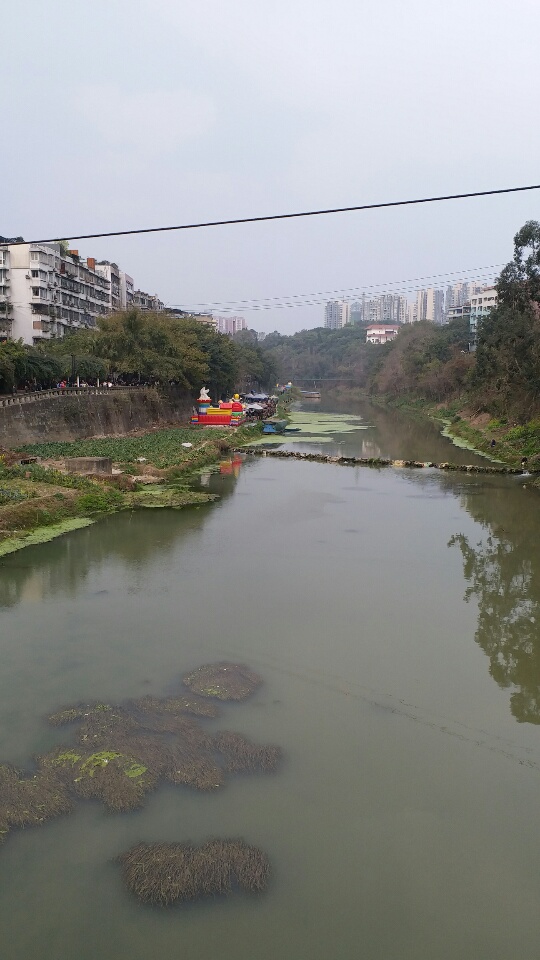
(288, 216)
(378, 289)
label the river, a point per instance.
(393, 615)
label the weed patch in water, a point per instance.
(224, 681)
(241, 755)
(165, 873)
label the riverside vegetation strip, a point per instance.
(39, 502)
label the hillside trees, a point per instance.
(507, 375)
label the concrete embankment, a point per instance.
(375, 461)
(79, 413)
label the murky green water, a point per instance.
(394, 616)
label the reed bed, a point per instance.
(243, 756)
(30, 801)
(165, 873)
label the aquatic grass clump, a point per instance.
(30, 801)
(196, 769)
(165, 873)
(241, 755)
(78, 712)
(196, 706)
(119, 780)
(224, 681)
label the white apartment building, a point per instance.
(111, 272)
(386, 308)
(127, 290)
(231, 325)
(481, 304)
(429, 305)
(336, 314)
(45, 292)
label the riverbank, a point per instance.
(501, 440)
(41, 500)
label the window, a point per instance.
(34, 255)
(35, 273)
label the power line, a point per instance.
(288, 216)
(379, 289)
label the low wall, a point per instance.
(77, 413)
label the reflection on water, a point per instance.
(502, 571)
(62, 566)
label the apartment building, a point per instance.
(336, 314)
(231, 325)
(481, 304)
(386, 308)
(429, 305)
(147, 301)
(45, 292)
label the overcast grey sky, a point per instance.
(128, 113)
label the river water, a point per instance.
(394, 617)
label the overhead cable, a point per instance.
(287, 216)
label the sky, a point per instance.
(124, 114)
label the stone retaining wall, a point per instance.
(74, 414)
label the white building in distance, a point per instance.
(382, 332)
(481, 304)
(429, 305)
(336, 314)
(231, 325)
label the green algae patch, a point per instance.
(67, 757)
(43, 534)
(97, 760)
(135, 770)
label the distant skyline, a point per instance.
(124, 115)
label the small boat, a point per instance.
(274, 426)
(310, 394)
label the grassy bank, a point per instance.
(39, 501)
(499, 439)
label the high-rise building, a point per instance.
(336, 314)
(429, 306)
(231, 325)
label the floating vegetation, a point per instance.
(241, 755)
(165, 873)
(30, 801)
(120, 781)
(224, 681)
(72, 714)
(120, 752)
(179, 705)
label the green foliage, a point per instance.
(20, 363)
(161, 447)
(158, 346)
(100, 501)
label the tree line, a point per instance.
(502, 376)
(140, 346)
